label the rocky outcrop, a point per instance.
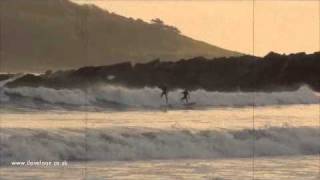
(245, 73)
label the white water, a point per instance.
(180, 144)
(108, 95)
(145, 143)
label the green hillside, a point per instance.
(37, 35)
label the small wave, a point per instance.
(148, 144)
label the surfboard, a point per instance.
(167, 106)
(190, 104)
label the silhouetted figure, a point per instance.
(164, 93)
(186, 96)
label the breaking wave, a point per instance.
(147, 144)
(122, 97)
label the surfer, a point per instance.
(164, 93)
(186, 96)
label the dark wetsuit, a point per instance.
(185, 96)
(165, 93)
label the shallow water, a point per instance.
(284, 168)
(206, 144)
(214, 118)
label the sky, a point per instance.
(283, 26)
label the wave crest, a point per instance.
(150, 97)
(146, 144)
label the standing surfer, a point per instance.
(186, 96)
(164, 93)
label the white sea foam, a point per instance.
(146, 144)
(150, 97)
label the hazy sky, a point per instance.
(283, 26)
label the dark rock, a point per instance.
(246, 73)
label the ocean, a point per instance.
(114, 132)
